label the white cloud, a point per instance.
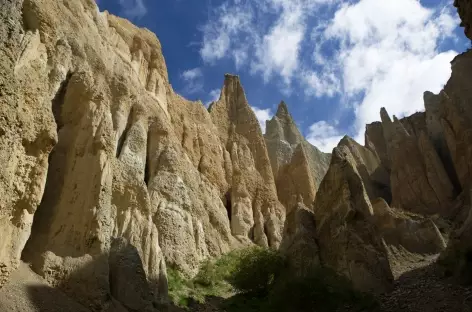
(213, 96)
(388, 54)
(326, 85)
(193, 79)
(280, 48)
(262, 116)
(324, 136)
(229, 21)
(271, 31)
(133, 9)
(364, 54)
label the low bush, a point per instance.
(256, 270)
(258, 279)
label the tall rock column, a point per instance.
(240, 135)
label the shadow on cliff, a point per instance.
(114, 282)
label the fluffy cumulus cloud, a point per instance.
(133, 9)
(270, 31)
(388, 55)
(324, 136)
(262, 116)
(360, 55)
(193, 80)
(213, 96)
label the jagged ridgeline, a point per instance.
(108, 178)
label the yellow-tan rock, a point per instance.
(252, 186)
(349, 241)
(298, 166)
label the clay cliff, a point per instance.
(109, 177)
(297, 165)
(107, 169)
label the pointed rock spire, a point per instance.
(384, 116)
(282, 110)
(283, 127)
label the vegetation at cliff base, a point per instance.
(257, 279)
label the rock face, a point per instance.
(27, 131)
(298, 166)
(455, 116)
(418, 179)
(254, 209)
(407, 237)
(349, 241)
(464, 8)
(300, 239)
(108, 176)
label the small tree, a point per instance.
(256, 271)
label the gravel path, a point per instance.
(424, 289)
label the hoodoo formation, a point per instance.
(109, 178)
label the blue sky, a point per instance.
(335, 63)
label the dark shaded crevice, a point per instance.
(121, 140)
(45, 212)
(448, 163)
(147, 167)
(228, 204)
(200, 165)
(57, 161)
(266, 233)
(30, 19)
(58, 101)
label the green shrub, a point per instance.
(255, 270)
(259, 280)
(179, 287)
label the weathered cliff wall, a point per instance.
(100, 153)
(108, 176)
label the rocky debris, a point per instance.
(408, 238)
(464, 8)
(298, 166)
(424, 288)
